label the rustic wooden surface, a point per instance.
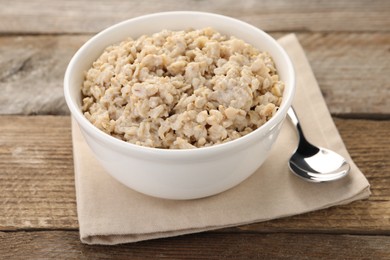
(73, 16)
(348, 46)
(212, 245)
(38, 186)
(349, 67)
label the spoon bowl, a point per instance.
(312, 163)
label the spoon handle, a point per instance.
(294, 119)
(304, 147)
(293, 116)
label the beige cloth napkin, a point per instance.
(110, 213)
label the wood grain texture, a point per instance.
(36, 176)
(32, 71)
(352, 70)
(37, 182)
(54, 17)
(65, 244)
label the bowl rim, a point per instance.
(126, 146)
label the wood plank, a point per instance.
(352, 70)
(37, 183)
(32, 71)
(45, 16)
(211, 245)
(36, 176)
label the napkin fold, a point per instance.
(110, 213)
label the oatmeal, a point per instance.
(181, 89)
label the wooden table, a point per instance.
(348, 46)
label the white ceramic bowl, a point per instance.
(179, 174)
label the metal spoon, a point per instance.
(315, 164)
